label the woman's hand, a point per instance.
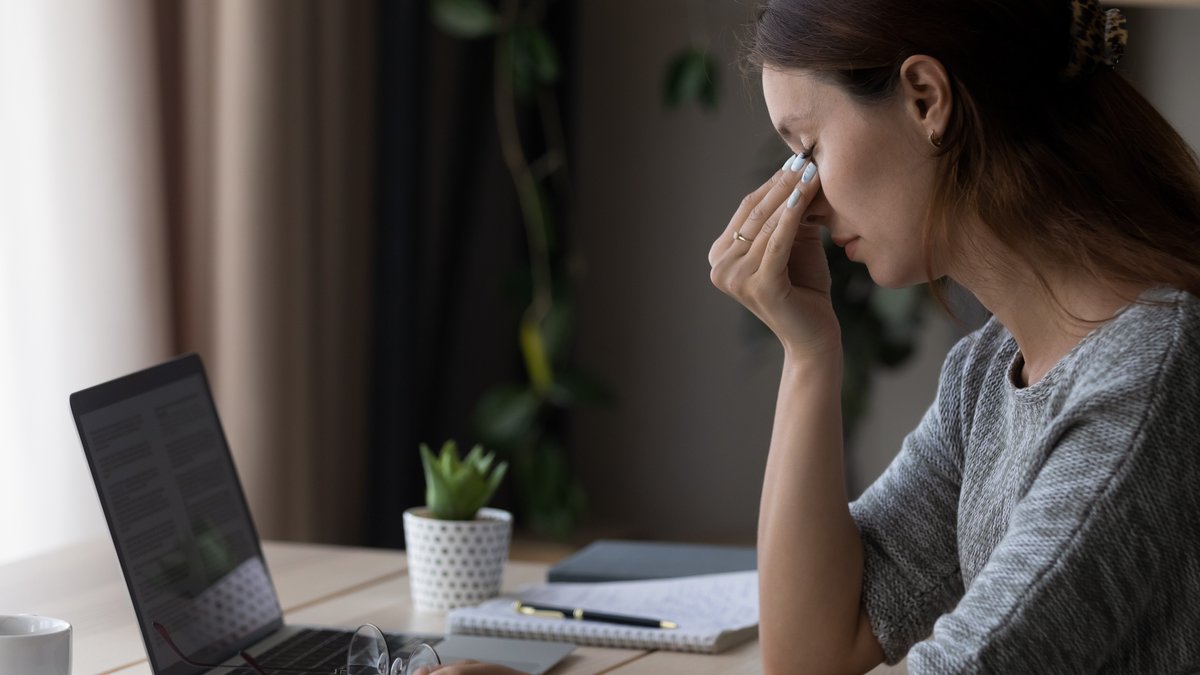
(468, 668)
(769, 260)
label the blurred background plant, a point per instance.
(526, 420)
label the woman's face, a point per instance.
(877, 171)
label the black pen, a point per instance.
(588, 615)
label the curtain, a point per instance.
(268, 109)
(184, 175)
(83, 270)
(397, 405)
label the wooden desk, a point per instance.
(332, 585)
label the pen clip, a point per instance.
(530, 611)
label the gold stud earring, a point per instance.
(934, 140)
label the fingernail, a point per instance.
(797, 162)
(808, 173)
(788, 163)
(794, 198)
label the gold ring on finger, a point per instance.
(738, 236)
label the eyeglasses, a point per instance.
(368, 654)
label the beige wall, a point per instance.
(1163, 60)
(683, 454)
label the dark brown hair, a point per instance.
(1084, 173)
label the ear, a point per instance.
(925, 89)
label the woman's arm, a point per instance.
(810, 556)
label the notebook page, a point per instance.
(713, 612)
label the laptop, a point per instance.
(188, 548)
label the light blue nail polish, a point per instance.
(809, 173)
(798, 162)
(788, 163)
(794, 198)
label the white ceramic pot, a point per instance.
(453, 563)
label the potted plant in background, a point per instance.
(524, 420)
(456, 548)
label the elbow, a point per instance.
(806, 669)
(796, 665)
(793, 657)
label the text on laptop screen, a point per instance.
(180, 523)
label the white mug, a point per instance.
(33, 644)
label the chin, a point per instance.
(895, 278)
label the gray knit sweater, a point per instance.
(1053, 528)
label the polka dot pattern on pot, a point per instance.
(455, 563)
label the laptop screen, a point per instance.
(177, 514)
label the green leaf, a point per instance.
(691, 76)
(457, 489)
(535, 60)
(573, 387)
(449, 458)
(507, 415)
(497, 478)
(537, 361)
(474, 457)
(556, 331)
(553, 499)
(544, 56)
(438, 497)
(482, 461)
(464, 18)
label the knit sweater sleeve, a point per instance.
(1109, 517)
(907, 521)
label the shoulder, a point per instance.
(1148, 352)
(1134, 389)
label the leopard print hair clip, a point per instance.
(1099, 37)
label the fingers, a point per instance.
(750, 201)
(739, 262)
(766, 212)
(775, 247)
(756, 208)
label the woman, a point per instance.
(1043, 517)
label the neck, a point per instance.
(1046, 327)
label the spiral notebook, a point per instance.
(714, 612)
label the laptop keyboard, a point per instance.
(319, 649)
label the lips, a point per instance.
(849, 244)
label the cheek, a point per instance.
(882, 196)
(854, 190)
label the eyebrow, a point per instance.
(784, 132)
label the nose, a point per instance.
(818, 211)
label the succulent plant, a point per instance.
(456, 489)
